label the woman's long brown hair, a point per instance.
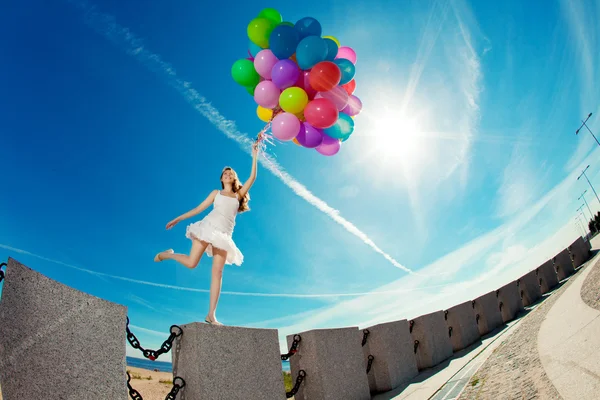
(235, 186)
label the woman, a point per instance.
(213, 234)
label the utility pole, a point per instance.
(588, 181)
(583, 123)
(588, 207)
(580, 209)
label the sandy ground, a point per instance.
(514, 370)
(151, 389)
(590, 291)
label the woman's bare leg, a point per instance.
(191, 260)
(219, 257)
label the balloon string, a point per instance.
(265, 137)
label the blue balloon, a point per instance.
(348, 70)
(310, 51)
(332, 49)
(254, 48)
(308, 26)
(342, 129)
(283, 41)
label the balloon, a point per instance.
(310, 51)
(350, 86)
(250, 90)
(324, 76)
(243, 72)
(264, 62)
(283, 41)
(295, 140)
(285, 126)
(329, 147)
(293, 100)
(321, 113)
(308, 26)
(347, 68)
(354, 106)
(285, 73)
(259, 30)
(264, 114)
(253, 49)
(338, 96)
(271, 14)
(332, 49)
(304, 83)
(287, 23)
(347, 53)
(342, 128)
(309, 136)
(267, 94)
(337, 42)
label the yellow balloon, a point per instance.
(334, 39)
(293, 100)
(264, 113)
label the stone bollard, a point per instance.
(462, 326)
(546, 275)
(529, 288)
(563, 265)
(580, 251)
(58, 342)
(434, 344)
(334, 365)
(487, 313)
(509, 301)
(394, 361)
(228, 362)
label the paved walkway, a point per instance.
(569, 342)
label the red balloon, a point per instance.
(321, 113)
(325, 76)
(303, 83)
(350, 86)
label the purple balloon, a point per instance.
(285, 126)
(338, 96)
(285, 73)
(329, 147)
(264, 62)
(266, 94)
(309, 136)
(354, 106)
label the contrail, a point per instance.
(189, 289)
(123, 38)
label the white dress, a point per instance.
(216, 228)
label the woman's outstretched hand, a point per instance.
(255, 149)
(172, 223)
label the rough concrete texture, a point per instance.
(57, 342)
(546, 275)
(334, 364)
(509, 301)
(488, 309)
(228, 362)
(395, 362)
(580, 251)
(529, 288)
(464, 327)
(434, 341)
(563, 265)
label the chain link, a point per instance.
(2, 272)
(154, 354)
(293, 348)
(416, 346)
(299, 379)
(135, 395)
(370, 363)
(366, 333)
(411, 323)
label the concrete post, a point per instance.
(228, 362)
(394, 361)
(509, 301)
(580, 252)
(487, 313)
(462, 326)
(334, 365)
(563, 265)
(434, 344)
(529, 288)
(546, 275)
(57, 342)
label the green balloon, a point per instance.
(243, 72)
(250, 90)
(259, 30)
(287, 23)
(271, 14)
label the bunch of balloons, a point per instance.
(303, 83)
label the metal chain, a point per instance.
(2, 272)
(500, 306)
(411, 323)
(299, 379)
(416, 346)
(293, 348)
(366, 333)
(154, 354)
(135, 395)
(446, 315)
(449, 331)
(370, 363)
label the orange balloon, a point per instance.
(296, 141)
(293, 58)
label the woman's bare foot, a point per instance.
(212, 321)
(157, 257)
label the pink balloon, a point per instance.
(285, 126)
(354, 106)
(348, 53)
(338, 96)
(266, 94)
(264, 62)
(329, 146)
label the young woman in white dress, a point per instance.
(213, 234)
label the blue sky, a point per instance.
(117, 117)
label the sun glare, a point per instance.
(397, 141)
